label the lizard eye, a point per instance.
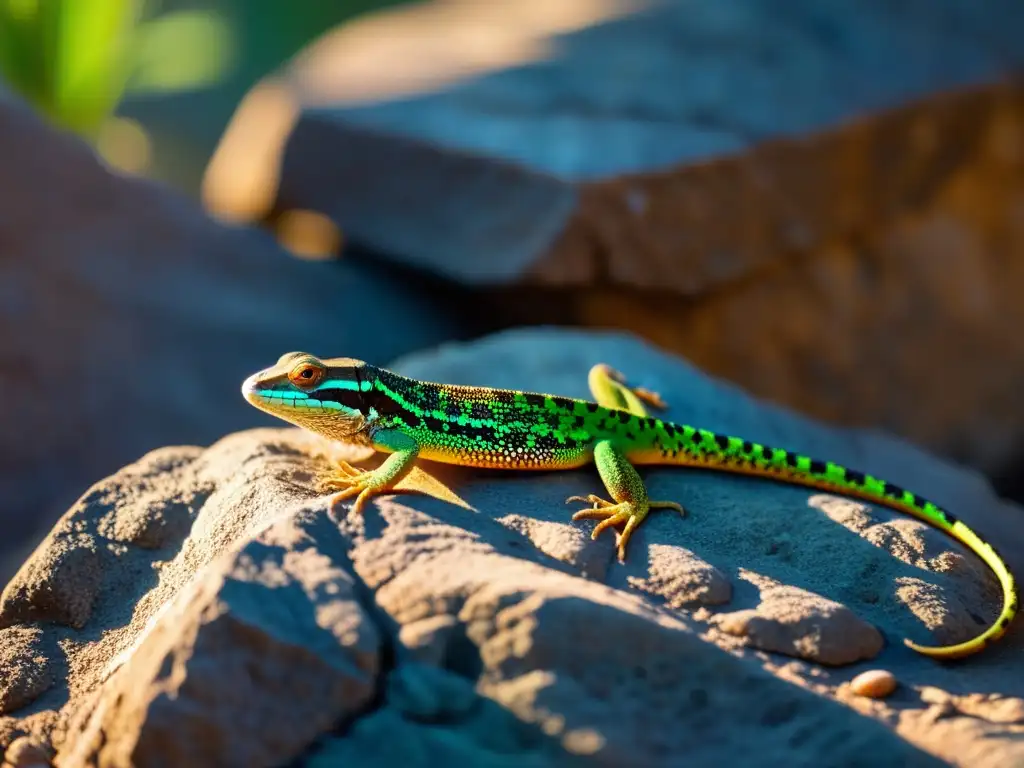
(306, 375)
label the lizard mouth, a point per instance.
(250, 387)
(269, 398)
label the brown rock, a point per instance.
(772, 192)
(797, 623)
(682, 579)
(24, 752)
(58, 583)
(26, 670)
(128, 320)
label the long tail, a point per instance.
(685, 445)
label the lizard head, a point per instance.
(324, 396)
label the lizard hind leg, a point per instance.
(609, 388)
(630, 505)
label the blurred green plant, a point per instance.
(74, 60)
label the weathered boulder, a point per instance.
(481, 624)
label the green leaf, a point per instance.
(23, 49)
(182, 50)
(92, 45)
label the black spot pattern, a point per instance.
(892, 490)
(818, 467)
(481, 411)
(852, 476)
(433, 423)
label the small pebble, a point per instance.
(875, 683)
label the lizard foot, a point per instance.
(652, 399)
(350, 481)
(611, 514)
(343, 476)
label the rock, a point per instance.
(675, 170)
(269, 630)
(683, 580)
(128, 320)
(798, 623)
(25, 669)
(875, 683)
(26, 753)
(275, 624)
(252, 601)
(458, 727)
(771, 530)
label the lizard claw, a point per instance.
(339, 481)
(349, 481)
(597, 501)
(362, 487)
(345, 468)
(652, 399)
(611, 515)
(667, 505)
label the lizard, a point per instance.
(407, 419)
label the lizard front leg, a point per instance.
(624, 485)
(366, 483)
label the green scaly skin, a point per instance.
(352, 401)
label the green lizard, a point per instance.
(352, 401)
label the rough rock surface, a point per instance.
(262, 626)
(849, 173)
(128, 320)
(798, 623)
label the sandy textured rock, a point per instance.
(269, 628)
(251, 595)
(128, 320)
(798, 623)
(682, 579)
(25, 669)
(248, 665)
(849, 174)
(26, 753)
